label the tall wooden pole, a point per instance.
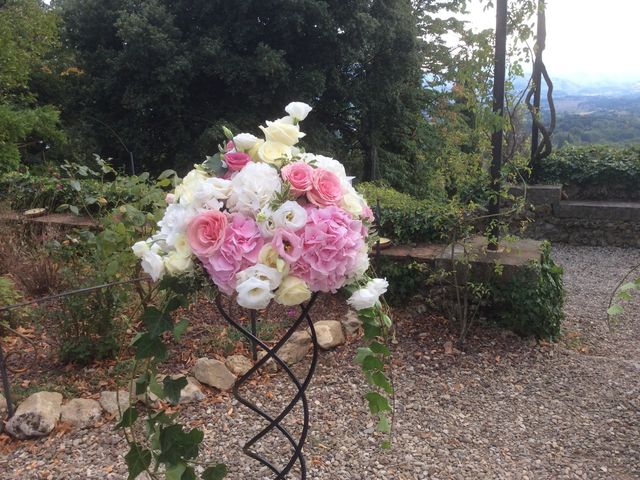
(498, 110)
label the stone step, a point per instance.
(598, 210)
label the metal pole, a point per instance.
(498, 109)
(254, 332)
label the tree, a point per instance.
(28, 31)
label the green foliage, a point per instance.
(9, 294)
(406, 219)
(406, 279)
(532, 302)
(606, 169)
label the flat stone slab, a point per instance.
(538, 194)
(68, 219)
(596, 210)
(81, 412)
(422, 252)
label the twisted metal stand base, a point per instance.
(275, 422)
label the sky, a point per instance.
(586, 39)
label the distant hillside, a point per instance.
(603, 111)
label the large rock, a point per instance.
(81, 412)
(238, 364)
(109, 401)
(329, 333)
(213, 373)
(37, 416)
(351, 322)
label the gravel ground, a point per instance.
(505, 408)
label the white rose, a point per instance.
(174, 222)
(254, 187)
(352, 204)
(177, 264)
(298, 110)
(253, 151)
(292, 291)
(261, 272)
(152, 264)
(288, 120)
(363, 298)
(281, 132)
(254, 293)
(244, 141)
(274, 152)
(290, 215)
(182, 246)
(220, 187)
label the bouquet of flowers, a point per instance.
(268, 221)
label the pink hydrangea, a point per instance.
(239, 250)
(331, 242)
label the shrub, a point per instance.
(594, 170)
(531, 303)
(407, 219)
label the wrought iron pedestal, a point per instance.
(275, 423)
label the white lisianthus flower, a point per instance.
(298, 110)
(274, 152)
(254, 293)
(281, 132)
(368, 296)
(292, 291)
(266, 223)
(244, 141)
(152, 263)
(261, 272)
(176, 263)
(270, 257)
(253, 188)
(290, 215)
(288, 120)
(363, 298)
(140, 248)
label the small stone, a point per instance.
(296, 348)
(329, 333)
(109, 401)
(351, 322)
(238, 364)
(270, 365)
(81, 412)
(213, 373)
(3, 404)
(192, 391)
(37, 416)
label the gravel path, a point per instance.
(505, 408)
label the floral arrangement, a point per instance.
(267, 221)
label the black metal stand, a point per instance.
(275, 423)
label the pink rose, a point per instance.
(287, 244)
(332, 240)
(230, 147)
(299, 175)
(236, 160)
(239, 250)
(206, 232)
(325, 189)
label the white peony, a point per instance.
(261, 272)
(290, 215)
(254, 293)
(152, 263)
(244, 141)
(253, 188)
(298, 110)
(174, 222)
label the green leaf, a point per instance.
(172, 388)
(138, 460)
(227, 133)
(213, 164)
(155, 388)
(189, 474)
(177, 445)
(174, 472)
(129, 416)
(142, 383)
(628, 286)
(180, 328)
(74, 210)
(371, 331)
(386, 445)
(166, 174)
(75, 184)
(157, 322)
(377, 403)
(377, 347)
(363, 353)
(380, 380)
(386, 320)
(217, 472)
(384, 425)
(372, 363)
(148, 346)
(614, 310)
